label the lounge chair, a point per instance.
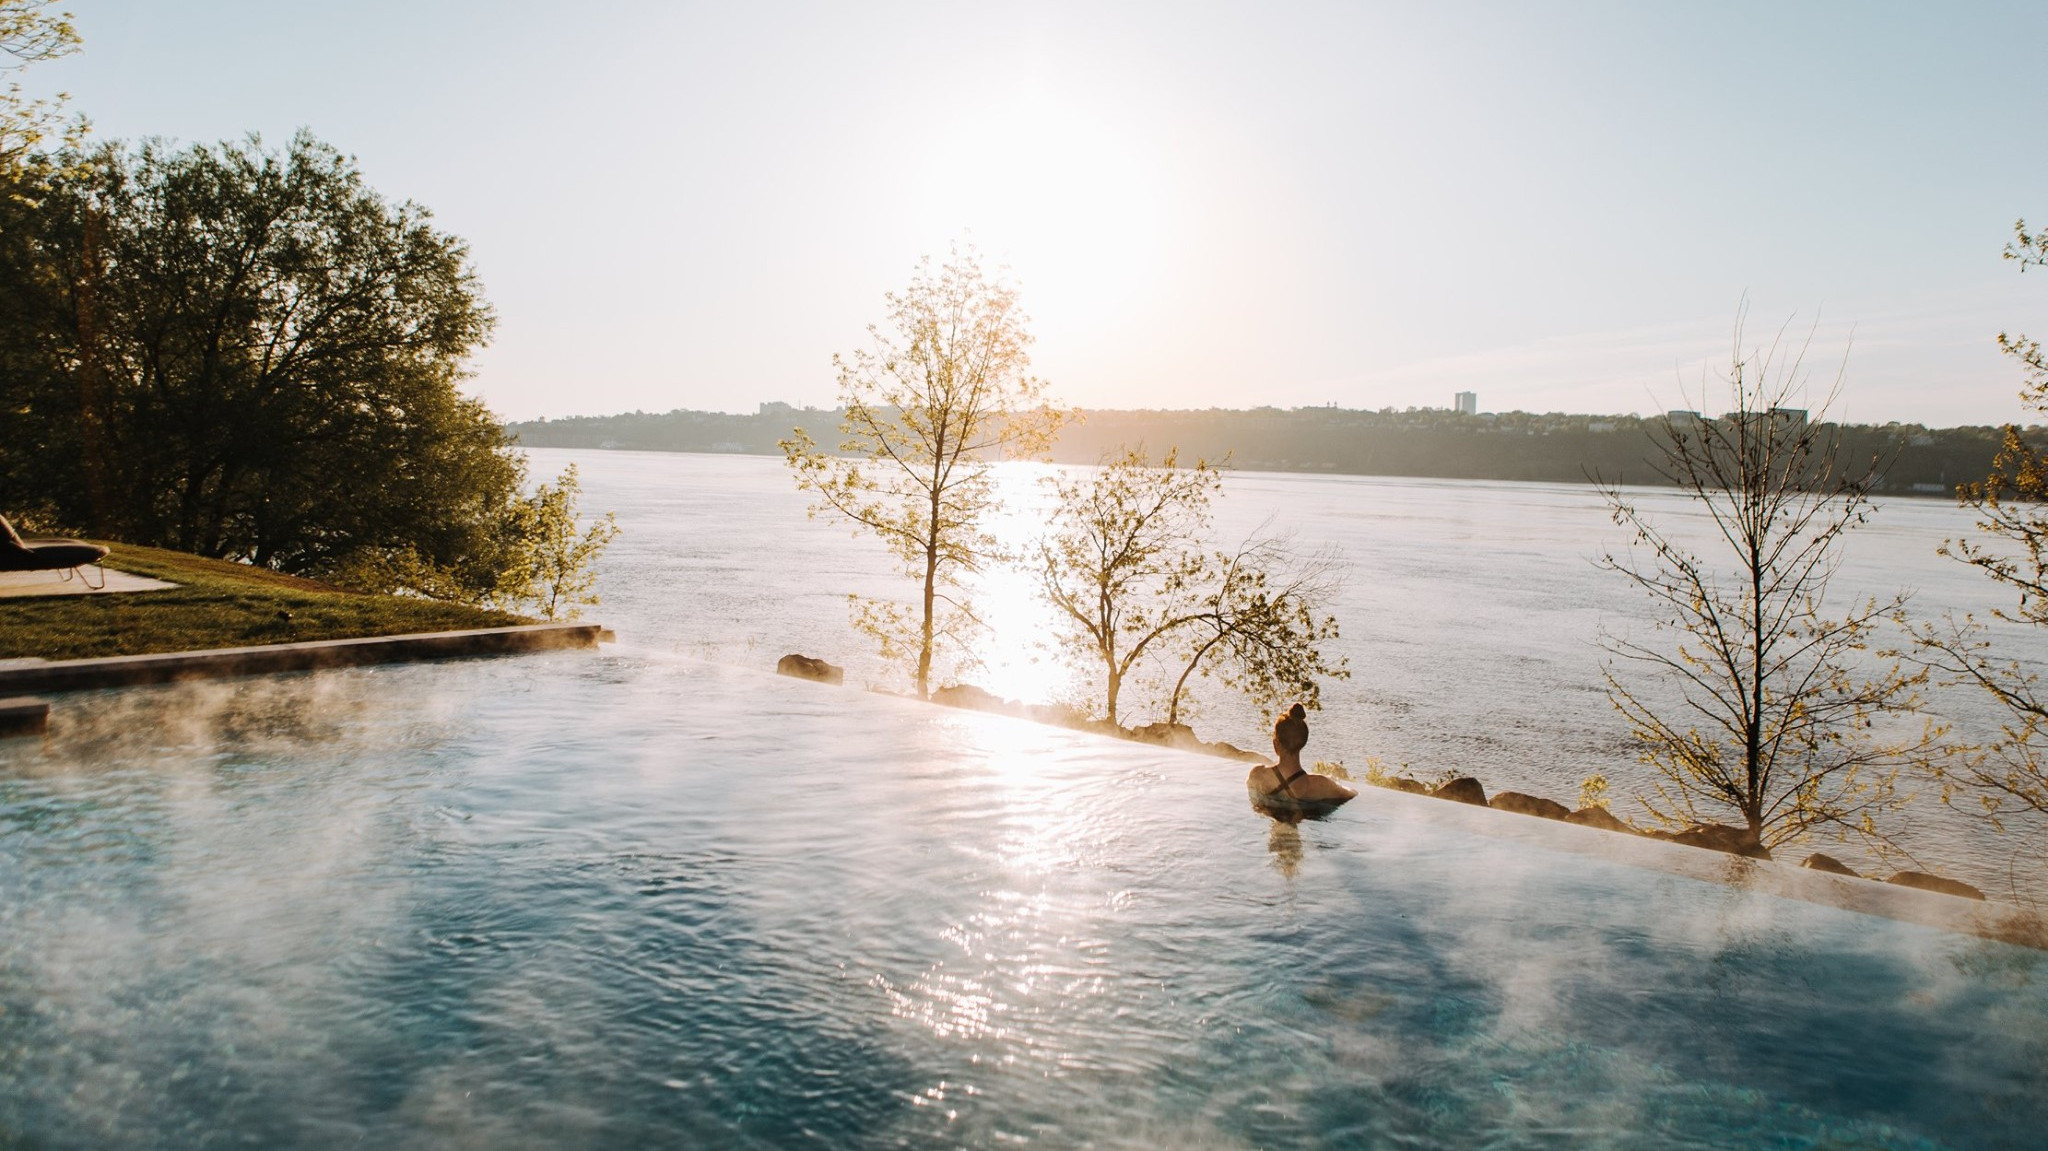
(67, 556)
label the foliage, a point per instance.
(252, 355)
(943, 391)
(553, 567)
(1123, 563)
(1333, 768)
(1593, 791)
(1760, 704)
(1262, 625)
(216, 604)
(2009, 774)
(30, 32)
(1127, 566)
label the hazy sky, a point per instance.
(1558, 206)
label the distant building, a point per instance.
(1793, 416)
(776, 408)
(1467, 403)
(1680, 418)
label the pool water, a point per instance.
(629, 899)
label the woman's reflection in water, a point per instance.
(1288, 793)
(1284, 841)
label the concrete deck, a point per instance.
(23, 584)
(25, 677)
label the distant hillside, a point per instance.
(1553, 447)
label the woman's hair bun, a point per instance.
(1297, 712)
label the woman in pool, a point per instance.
(1287, 783)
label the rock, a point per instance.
(1598, 817)
(1463, 789)
(804, 667)
(1536, 805)
(1827, 863)
(1058, 714)
(1925, 882)
(1411, 786)
(1232, 751)
(1717, 837)
(1170, 734)
(971, 697)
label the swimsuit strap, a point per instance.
(1289, 781)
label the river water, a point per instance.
(1471, 615)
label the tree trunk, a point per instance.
(94, 455)
(1753, 803)
(1180, 685)
(924, 649)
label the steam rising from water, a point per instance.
(624, 900)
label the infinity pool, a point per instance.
(623, 900)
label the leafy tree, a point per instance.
(31, 32)
(1759, 705)
(1262, 625)
(554, 567)
(1123, 563)
(2008, 775)
(1127, 564)
(942, 392)
(253, 355)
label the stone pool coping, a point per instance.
(1989, 919)
(20, 677)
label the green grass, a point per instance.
(216, 604)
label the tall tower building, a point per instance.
(1468, 403)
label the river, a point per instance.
(1471, 611)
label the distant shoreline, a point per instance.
(1415, 443)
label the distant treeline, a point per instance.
(1552, 447)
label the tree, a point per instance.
(1128, 567)
(2008, 775)
(253, 355)
(1262, 625)
(1123, 563)
(1760, 704)
(940, 394)
(31, 32)
(554, 569)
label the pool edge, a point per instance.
(218, 663)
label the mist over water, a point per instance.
(630, 899)
(1471, 615)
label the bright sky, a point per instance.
(1556, 205)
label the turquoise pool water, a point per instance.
(625, 900)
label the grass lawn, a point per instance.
(216, 604)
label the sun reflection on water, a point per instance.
(1018, 658)
(1029, 958)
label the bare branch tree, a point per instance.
(1756, 702)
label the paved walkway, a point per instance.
(20, 584)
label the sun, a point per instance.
(1077, 202)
